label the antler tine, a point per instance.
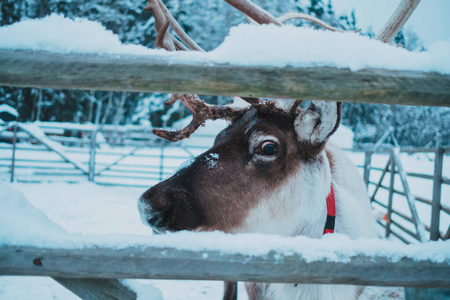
(296, 15)
(255, 12)
(165, 41)
(200, 113)
(181, 33)
(397, 20)
(179, 45)
(173, 98)
(160, 37)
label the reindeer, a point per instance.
(270, 171)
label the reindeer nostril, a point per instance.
(154, 221)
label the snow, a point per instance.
(21, 220)
(16, 215)
(305, 47)
(144, 290)
(9, 109)
(343, 137)
(246, 45)
(88, 210)
(56, 33)
(335, 247)
(211, 160)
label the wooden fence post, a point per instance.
(92, 154)
(391, 193)
(97, 289)
(367, 165)
(420, 228)
(437, 185)
(13, 159)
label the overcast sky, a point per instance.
(430, 21)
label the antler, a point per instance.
(200, 110)
(164, 39)
(163, 18)
(200, 113)
(255, 13)
(397, 20)
(297, 15)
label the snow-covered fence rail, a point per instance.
(150, 74)
(392, 267)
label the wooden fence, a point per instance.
(153, 262)
(395, 169)
(143, 73)
(161, 74)
(129, 159)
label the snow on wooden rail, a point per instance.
(145, 73)
(146, 261)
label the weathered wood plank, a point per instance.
(97, 289)
(156, 74)
(168, 263)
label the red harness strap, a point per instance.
(331, 212)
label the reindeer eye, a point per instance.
(268, 148)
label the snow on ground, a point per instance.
(87, 209)
(82, 209)
(246, 45)
(9, 109)
(117, 212)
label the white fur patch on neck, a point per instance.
(298, 207)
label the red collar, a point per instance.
(331, 212)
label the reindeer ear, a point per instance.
(315, 122)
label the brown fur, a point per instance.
(219, 198)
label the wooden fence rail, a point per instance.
(168, 263)
(160, 74)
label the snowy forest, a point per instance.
(208, 23)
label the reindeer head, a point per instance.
(253, 175)
(266, 157)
